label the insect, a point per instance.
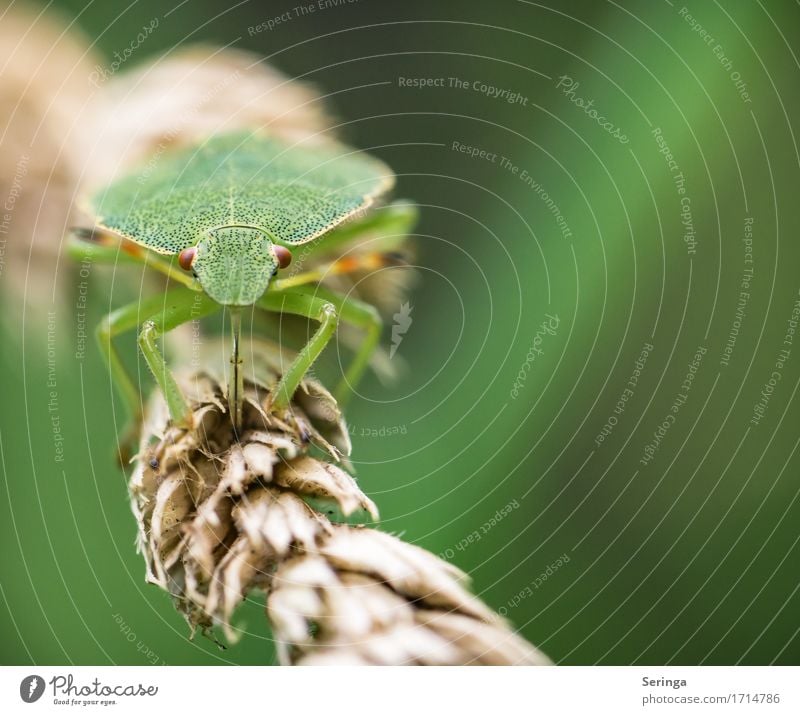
(228, 212)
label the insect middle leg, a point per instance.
(368, 243)
(100, 247)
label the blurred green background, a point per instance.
(685, 553)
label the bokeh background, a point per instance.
(615, 543)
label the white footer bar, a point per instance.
(406, 691)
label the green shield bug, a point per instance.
(230, 210)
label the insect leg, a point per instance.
(362, 315)
(381, 235)
(120, 321)
(341, 266)
(307, 306)
(85, 243)
(391, 224)
(100, 247)
(176, 307)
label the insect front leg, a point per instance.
(361, 315)
(307, 306)
(159, 313)
(178, 306)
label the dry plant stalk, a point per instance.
(43, 93)
(220, 517)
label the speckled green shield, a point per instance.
(292, 192)
(288, 193)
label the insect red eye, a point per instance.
(186, 257)
(283, 256)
